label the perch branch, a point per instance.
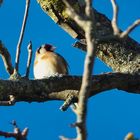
(6, 59)
(29, 59)
(54, 88)
(21, 35)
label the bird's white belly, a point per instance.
(44, 69)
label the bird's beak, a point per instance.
(53, 48)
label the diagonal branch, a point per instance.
(120, 55)
(130, 28)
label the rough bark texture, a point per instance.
(120, 55)
(6, 58)
(54, 88)
(57, 11)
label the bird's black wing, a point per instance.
(65, 63)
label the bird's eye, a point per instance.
(47, 47)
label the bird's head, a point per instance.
(45, 48)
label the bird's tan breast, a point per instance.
(56, 61)
(49, 64)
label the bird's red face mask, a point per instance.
(45, 48)
(49, 47)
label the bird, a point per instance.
(49, 63)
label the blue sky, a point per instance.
(111, 114)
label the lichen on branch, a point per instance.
(120, 55)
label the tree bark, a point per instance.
(59, 88)
(120, 55)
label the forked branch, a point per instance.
(17, 134)
(116, 30)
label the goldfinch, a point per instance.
(48, 63)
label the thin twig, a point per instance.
(116, 30)
(86, 81)
(29, 59)
(10, 102)
(87, 24)
(67, 103)
(130, 28)
(7, 134)
(21, 35)
(17, 134)
(115, 18)
(6, 59)
(88, 10)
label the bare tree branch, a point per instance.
(87, 23)
(29, 59)
(123, 56)
(120, 55)
(55, 89)
(88, 8)
(6, 59)
(115, 18)
(130, 28)
(74, 15)
(21, 35)
(67, 103)
(115, 26)
(17, 134)
(7, 134)
(11, 101)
